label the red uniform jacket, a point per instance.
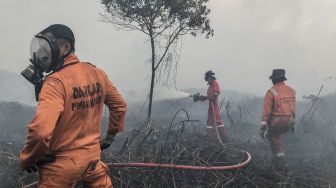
(214, 108)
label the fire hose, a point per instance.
(174, 166)
(184, 167)
(216, 127)
(179, 167)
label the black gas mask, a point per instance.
(44, 53)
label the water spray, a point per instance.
(171, 95)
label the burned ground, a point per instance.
(311, 151)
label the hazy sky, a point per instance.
(251, 38)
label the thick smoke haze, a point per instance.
(251, 38)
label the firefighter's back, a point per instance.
(284, 100)
(78, 127)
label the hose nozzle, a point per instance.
(196, 96)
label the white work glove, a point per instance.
(263, 130)
(106, 142)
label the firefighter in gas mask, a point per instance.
(48, 51)
(63, 142)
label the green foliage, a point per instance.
(156, 16)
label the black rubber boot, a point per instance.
(279, 163)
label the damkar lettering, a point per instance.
(90, 95)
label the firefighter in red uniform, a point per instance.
(63, 142)
(278, 115)
(214, 115)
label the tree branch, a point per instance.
(170, 41)
(164, 29)
(121, 24)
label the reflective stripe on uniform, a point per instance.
(208, 127)
(274, 92)
(280, 155)
(220, 125)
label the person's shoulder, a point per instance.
(54, 76)
(98, 70)
(215, 82)
(64, 71)
(89, 64)
(290, 88)
(273, 90)
(54, 81)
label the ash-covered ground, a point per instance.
(311, 151)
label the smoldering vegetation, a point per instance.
(311, 151)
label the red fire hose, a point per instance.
(184, 167)
(180, 167)
(215, 122)
(174, 166)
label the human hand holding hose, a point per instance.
(263, 131)
(41, 161)
(203, 98)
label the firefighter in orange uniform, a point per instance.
(63, 142)
(278, 115)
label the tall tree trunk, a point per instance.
(151, 92)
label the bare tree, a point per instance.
(164, 22)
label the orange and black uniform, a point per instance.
(278, 114)
(67, 124)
